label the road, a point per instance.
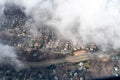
(71, 59)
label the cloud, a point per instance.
(96, 21)
(81, 21)
(8, 56)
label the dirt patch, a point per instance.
(100, 69)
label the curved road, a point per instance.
(71, 59)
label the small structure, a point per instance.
(116, 71)
(36, 45)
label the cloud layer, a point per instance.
(8, 56)
(81, 21)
